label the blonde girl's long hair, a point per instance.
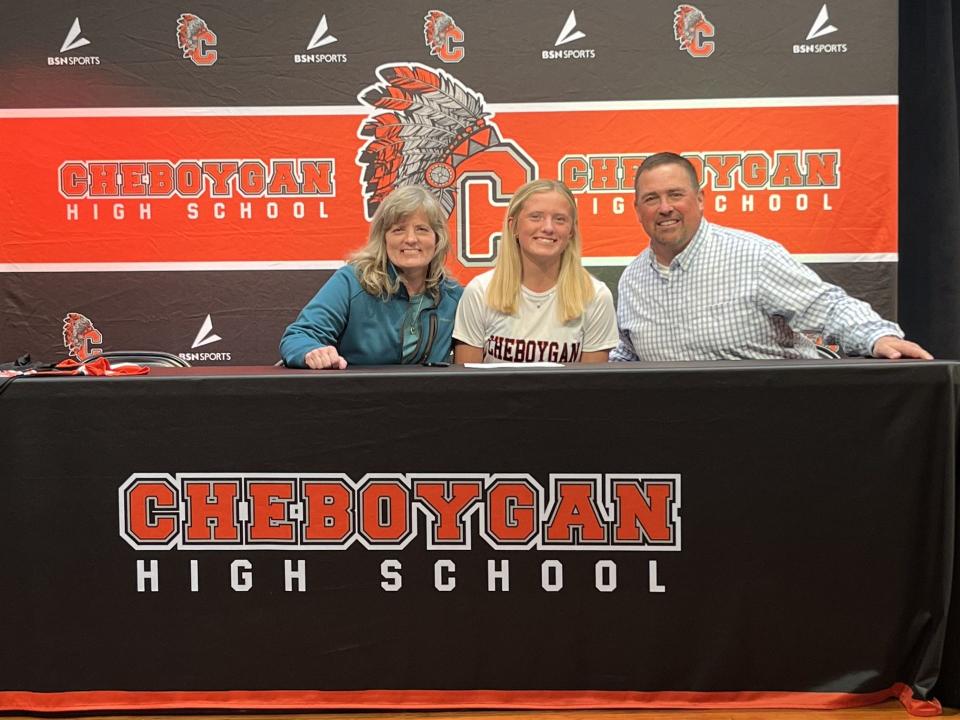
(372, 263)
(574, 284)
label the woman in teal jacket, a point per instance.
(392, 303)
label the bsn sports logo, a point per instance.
(443, 36)
(80, 336)
(196, 40)
(205, 336)
(821, 27)
(568, 34)
(74, 40)
(320, 38)
(427, 128)
(690, 27)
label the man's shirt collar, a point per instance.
(687, 255)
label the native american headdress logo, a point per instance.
(690, 26)
(192, 34)
(440, 33)
(430, 124)
(78, 335)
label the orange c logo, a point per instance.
(450, 52)
(203, 54)
(698, 47)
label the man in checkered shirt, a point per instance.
(706, 292)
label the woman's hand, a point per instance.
(325, 358)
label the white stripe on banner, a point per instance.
(614, 261)
(293, 110)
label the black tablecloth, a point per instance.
(714, 534)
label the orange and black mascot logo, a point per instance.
(196, 40)
(443, 37)
(79, 335)
(690, 26)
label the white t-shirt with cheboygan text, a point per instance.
(535, 333)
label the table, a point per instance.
(635, 535)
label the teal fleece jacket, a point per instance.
(365, 329)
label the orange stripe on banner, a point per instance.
(109, 700)
(821, 180)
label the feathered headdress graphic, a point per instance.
(188, 27)
(686, 18)
(436, 25)
(430, 124)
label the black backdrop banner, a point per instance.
(196, 173)
(614, 537)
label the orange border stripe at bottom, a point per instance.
(115, 700)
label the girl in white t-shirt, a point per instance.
(538, 304)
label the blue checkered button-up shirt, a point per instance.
(734, 295)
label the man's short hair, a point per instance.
(666, 158)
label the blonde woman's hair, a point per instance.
(372, 263)
(574, 285)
